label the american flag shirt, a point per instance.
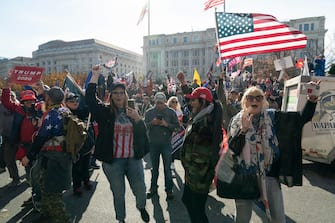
(123, 137)
(52, 124)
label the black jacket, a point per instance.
(105, 118)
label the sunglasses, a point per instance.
(251, 98)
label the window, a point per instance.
(174, 54)
(196, 38)
(185, 53)
(174, 40)
(195, 52)
(300, 27)
(312, 26)
(185, 39)
(306, 27)
(195, 62)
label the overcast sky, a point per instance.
(26, 24)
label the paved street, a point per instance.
(314, 202)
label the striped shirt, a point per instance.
(123, 137)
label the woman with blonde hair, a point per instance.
(264, 144)
(175, 105)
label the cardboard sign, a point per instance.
(24, 75)
(283, 63)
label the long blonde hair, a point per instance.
(254, 91)
(169, 102)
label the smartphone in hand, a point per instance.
(131, 103)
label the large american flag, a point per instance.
(245, 34)
(212, 3)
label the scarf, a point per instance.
(261, 147)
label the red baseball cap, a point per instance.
(201, 92)
(27, 95)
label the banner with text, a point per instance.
(24, 75)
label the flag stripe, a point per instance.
(245, 34)
(259, 51)
(212, 3)
(262, 43)
(259, 39)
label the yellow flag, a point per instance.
(196, 77)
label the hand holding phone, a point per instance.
(131, 103)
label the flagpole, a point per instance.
(148, 68)
(217, 38)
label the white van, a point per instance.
(318, 138)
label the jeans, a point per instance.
(155, 152)
(276, 204)
(115, 173)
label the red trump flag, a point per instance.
(243, 34)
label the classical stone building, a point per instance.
(314, 29)
(168, 54)
(79, 56)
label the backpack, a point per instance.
(75, 133)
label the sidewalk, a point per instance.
(97, 205)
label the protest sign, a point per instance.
(25, 75)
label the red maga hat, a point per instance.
(201, 92)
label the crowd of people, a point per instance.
(247, 109)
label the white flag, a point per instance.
(305, 71)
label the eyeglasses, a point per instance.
(251, 98)
(73, 100)
(174, 102)
(118, 92)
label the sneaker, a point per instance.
(144, 215)
(169, 196)
(77, 192)
(14, 183)
(151, 193)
